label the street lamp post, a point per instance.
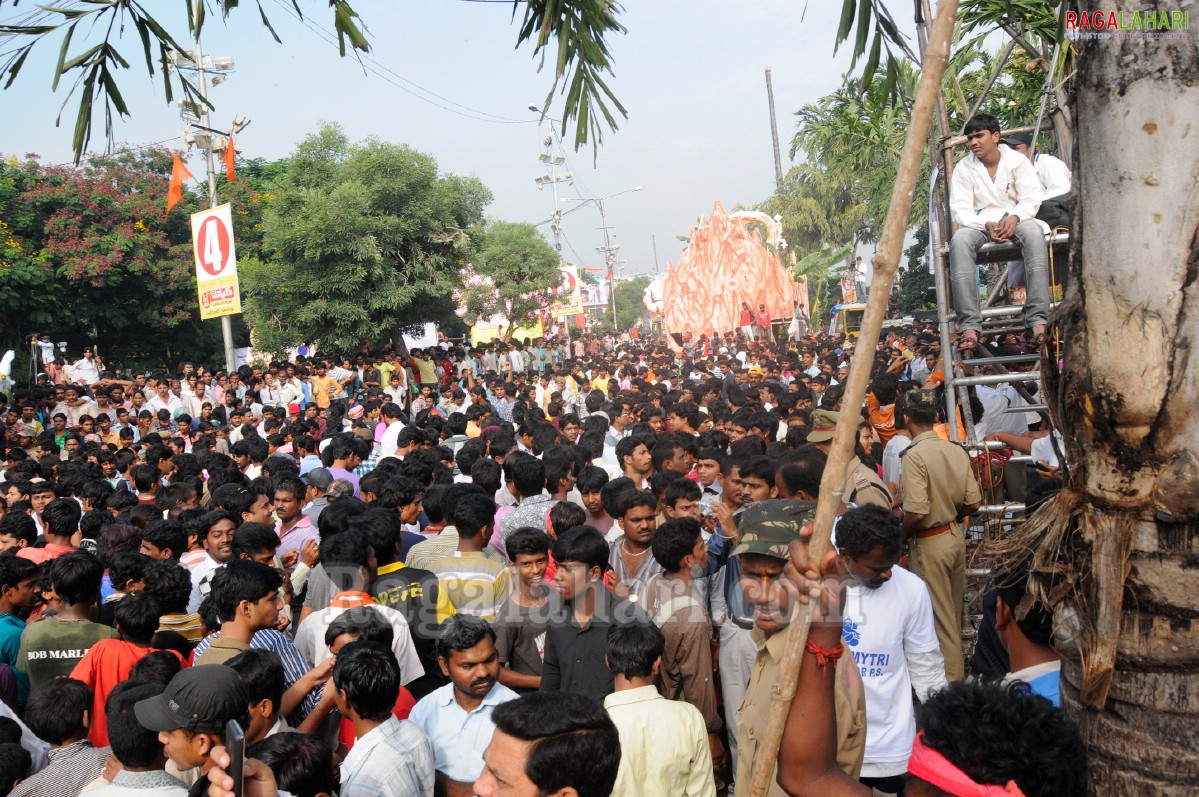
(552, 178)
(610, 249)
(197, 115)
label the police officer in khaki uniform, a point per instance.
(767, 528)
(862, 485)
(938, 489)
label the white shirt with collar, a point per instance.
(1054, 175)
(976, 198)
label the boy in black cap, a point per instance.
(190, 716)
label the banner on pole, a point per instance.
(849, 291)
(569, 300)
(216, 262)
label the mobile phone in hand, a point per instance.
(235, 744)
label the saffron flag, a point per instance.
(228, 158)
(179, 173)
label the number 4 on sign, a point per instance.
(212, 257)
(212, 238)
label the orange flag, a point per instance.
(179, 173)
(228, 158)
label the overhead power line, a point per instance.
(386, 73)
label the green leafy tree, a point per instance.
(915, 281)
(93, 35)
(630, 301)
(515, 273)
(359, 237)
(93, 258)
(818, 266)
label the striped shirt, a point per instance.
(67, 771)
(475, 582)
(393, 760)
(423, 555)
(294, 666)
(186, 625)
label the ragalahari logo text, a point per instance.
(1127, 24)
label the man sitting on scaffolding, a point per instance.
(994, 196)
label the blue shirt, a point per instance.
(11, 627)
(1048, 686)
(459, 738)
(1042, 679)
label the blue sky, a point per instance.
(690, 75)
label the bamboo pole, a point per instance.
(886, 260)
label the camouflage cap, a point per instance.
(920, 400)
(768, 527)
(824, 423)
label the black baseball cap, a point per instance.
(199, 699)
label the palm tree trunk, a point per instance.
(1122, 571)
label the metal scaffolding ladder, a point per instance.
(999, 316)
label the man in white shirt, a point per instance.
(1054, 174)
(163, 400)
(890, 631)
(397, 387)
(517, 358)
(994, 196)
(86, 371)
(388, 444)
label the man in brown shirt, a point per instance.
(246, 594)
(938, 489)
(767, 528)
(671, 601)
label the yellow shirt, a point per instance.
(663, 746)
(320, 390)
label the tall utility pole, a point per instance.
(774, 133)
(609, 250)
(551, 178)
(654, 240)
(209, 161)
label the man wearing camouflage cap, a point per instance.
(938, 490)
(767, 528)
(862, 485)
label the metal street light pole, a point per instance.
(552, 178)
(226, 323)
(609, 249)
(609, 259)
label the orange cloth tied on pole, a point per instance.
(179, 173)
(228, 158)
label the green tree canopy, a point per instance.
(358, 236)
(630, 301)
(89, 255)
(516, 273)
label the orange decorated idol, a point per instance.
(732, 258)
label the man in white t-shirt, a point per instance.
(889, 628)
(388, 443)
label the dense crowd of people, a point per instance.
(517, 569)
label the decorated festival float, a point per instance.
(731, 258)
